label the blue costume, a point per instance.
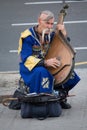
(32, 69)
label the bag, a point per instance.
(55, 109)
(40, 110)
(29, 110)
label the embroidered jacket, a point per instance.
(30, 49)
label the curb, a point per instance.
(9, 72)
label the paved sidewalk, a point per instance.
(73, 119)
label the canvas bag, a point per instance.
(40, 110)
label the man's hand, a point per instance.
(53, 62)
(61, 28)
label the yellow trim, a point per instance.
(31, 62)
(80, 63)
(23, 35)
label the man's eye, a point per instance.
(49, 23)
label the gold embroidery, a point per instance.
(45, 83)
(31, 62)
(23, 35)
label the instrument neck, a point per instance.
(62, 14)
(61, 19)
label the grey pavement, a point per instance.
(72, 119)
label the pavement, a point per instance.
(72, 119)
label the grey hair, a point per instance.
(49, 14)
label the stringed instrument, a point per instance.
(63, 51)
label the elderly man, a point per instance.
(33, 46)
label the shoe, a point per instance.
(63, 98)
(65, 105)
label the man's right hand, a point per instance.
(53, 62)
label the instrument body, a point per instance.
(62, 50)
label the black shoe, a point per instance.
(65, 105)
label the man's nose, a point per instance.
(50, 26)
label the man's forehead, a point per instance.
(45, 17)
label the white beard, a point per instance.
(45, 31)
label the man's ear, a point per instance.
(39, 20)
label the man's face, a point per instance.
(45, 24)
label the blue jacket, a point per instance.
(37, 78)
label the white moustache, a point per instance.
(46, 31)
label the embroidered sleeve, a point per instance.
(23, 35)
(31, 62)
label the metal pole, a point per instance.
(63, 1)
